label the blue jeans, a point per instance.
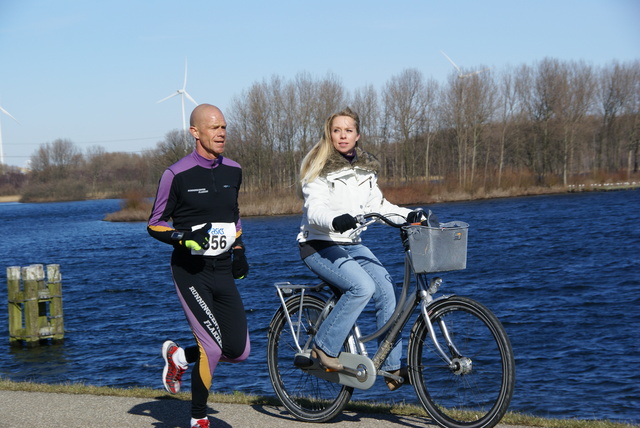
(360, 276)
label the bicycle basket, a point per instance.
(438, 249)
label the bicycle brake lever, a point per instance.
(363, 225)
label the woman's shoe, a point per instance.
(329, 363)
(393, 384)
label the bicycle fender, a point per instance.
(358, 371)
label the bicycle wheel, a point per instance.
(307, 397)
(476, 388)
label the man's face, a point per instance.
(210, 133)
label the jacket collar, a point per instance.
(363, 160)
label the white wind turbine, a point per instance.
(183, 93)
(1, 148)
(460, 75)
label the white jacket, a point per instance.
(343, 188)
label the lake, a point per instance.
(560, 271)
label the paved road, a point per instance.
(38, 409)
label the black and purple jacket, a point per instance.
(196, 190)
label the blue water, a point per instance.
(561, 272)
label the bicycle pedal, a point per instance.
(391, 376)
(302, 361)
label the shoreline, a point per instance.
(253, 205)
(10, 198)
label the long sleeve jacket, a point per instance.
(343, 187)
(193, 191)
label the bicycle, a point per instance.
(459, 357)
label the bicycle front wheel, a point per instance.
(473, 389)
(307, 397)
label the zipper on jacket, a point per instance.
(213, 181)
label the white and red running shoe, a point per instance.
(172, 373)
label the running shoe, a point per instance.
(201, 423)
(172, 373)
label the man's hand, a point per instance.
(239, 266)
(197, 239)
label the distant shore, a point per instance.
(287, 203)
(11, 198)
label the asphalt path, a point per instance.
(39, 409)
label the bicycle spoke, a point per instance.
(475, 390)
(307, 397)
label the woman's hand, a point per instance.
(344, 222)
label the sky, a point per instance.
(92, 71)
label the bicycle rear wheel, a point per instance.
(307, 397)
(475, 390)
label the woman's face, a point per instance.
(344, 134)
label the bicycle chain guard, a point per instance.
(358, 371)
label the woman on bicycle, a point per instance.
(339, 182)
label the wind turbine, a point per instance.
(1, 149)
(183, 93)
(460, 75)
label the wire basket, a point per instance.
(438, 249)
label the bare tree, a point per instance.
(540, 90)
(405, 106)
(618, 93)
(573, 108)
(431, 92)
(55, 160)
(365, 103)
(468, 105)
(176, 145)
(507, 116)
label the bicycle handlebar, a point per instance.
(382, 217)
(365, 220)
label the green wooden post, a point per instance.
(54, 284)
(35, 312)
(15, 304)
(44, 299)
(30, 305)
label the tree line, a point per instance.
(551, 123)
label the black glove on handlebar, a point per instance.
(344, 222)
(425, 219)
(416, 216)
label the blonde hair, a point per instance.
(316, 159)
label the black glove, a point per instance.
(344, 222)
(420, 216)
(197, 239)
(239, 266)
(432, 220)
(416, 216)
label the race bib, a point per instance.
(221, 238)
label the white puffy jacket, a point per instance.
(343, 188)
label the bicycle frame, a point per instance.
(422, 295)
(286, 289)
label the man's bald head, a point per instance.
(209, 128)
(202, 112)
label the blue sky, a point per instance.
(92, 71)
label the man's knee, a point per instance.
(238, 355)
